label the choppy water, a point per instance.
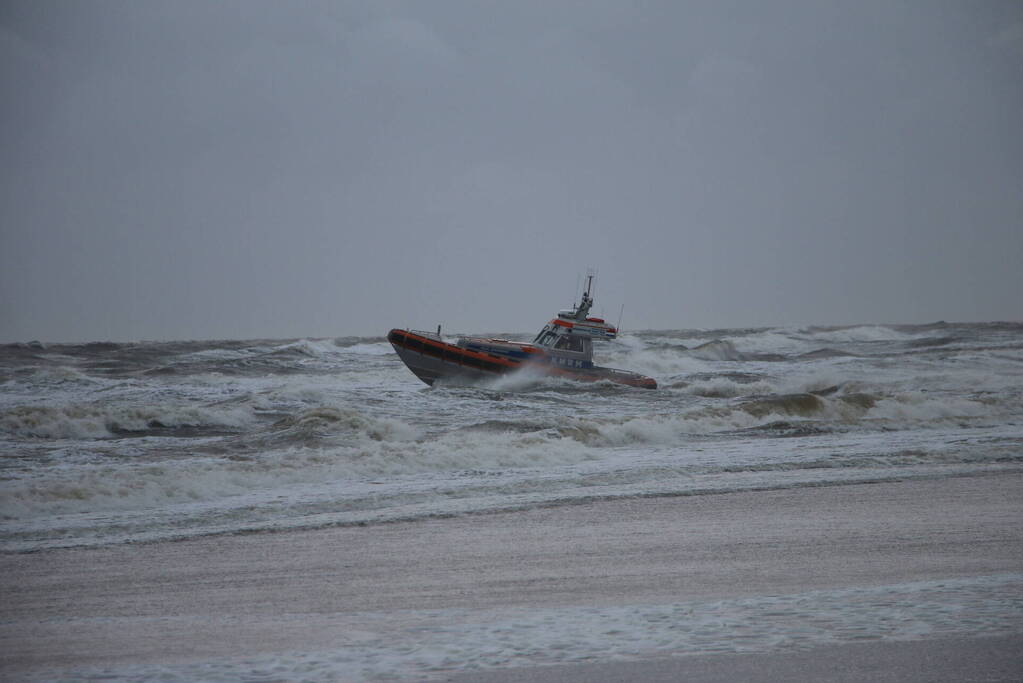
(108, 443)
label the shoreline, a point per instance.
(178, 602)
(511, 508)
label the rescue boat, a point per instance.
(563, 348)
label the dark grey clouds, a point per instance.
(243, 169)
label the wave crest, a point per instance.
(95, 421)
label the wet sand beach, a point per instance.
(769, 573)
(923, 661)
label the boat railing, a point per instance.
(430, 335)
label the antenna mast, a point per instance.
(583, 309)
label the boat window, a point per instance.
(563, 343)
(575, 343)
(545, 338)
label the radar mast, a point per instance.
(583, 309)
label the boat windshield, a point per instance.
(544, 338)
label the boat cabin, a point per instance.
(568, 339)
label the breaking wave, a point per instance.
(98, 421)
(377, 349)
(858, 333)
(311, 348)
(361, 447)
(726, 387)
(107, 440)
(717, 350)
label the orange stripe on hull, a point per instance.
(474, 360)
(439, 349)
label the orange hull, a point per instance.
(432, 359)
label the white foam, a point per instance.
(377, 349)
(717, 349)
(657, 362)
(913, 408)
(208, 355)
(860, 333)
(313, 348)
(308, 488)
(528, 377)
(351, 444)
(722, 387)
(778, 340)
(367, 447)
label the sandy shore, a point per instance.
(169, 604)
(927, 661)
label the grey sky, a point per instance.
(277, 169)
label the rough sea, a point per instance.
(110, 443)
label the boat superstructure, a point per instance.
(564, 348)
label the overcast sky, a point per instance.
(182, 170)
